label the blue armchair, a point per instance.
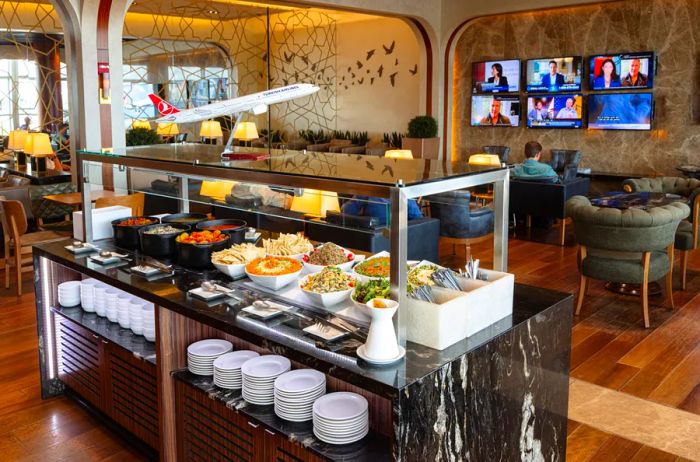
(460, 224)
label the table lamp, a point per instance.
(246, 131)
(167, 129)
(216, 189)
(491, 160)
(399, 154)
(316, 203)
(16, 141)
(140, 123)
(38, 147)
(210, 131)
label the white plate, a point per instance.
(327, 299)
(209, 347)
(234, 360)
(331, 440)
(267, 366)
(340, 406)
(299, 381)
(380, 362)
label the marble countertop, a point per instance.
(283, 336)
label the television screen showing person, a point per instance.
(495, 111)
(607, 76)
(538, 113)
(496, 76)
(555, 111)
(553, 78)
(630, 70)
(554, 74)
(636, 73)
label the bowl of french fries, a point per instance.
(288, 245)
(232, 261)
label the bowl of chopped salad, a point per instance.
(369, 290)
(375, 267)
(328, 287)
(328, 254)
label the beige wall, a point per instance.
(668, 27)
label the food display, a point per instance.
(331, 279)
(422, 275)
(287, 245)
(231, 226)
(273, 266)
(376, 288)
(185, 220)
(377, 267)
(188, 219)
(201, 237)
(238, 254)
(136, 221)
(329, 254)
(222, 227)
(164, 229)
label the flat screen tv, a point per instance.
(623, 70)
(495, 111)
(496, 76)
(554, 74)
(555, 111)
(620, 111)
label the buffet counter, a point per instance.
(500, 394)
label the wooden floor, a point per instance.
(610, 348)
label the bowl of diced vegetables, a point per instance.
(194, 248)
(328, 254)
(328, 287)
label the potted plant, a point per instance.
(422, 138)
(141, 137)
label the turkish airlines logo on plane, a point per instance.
(164, 108)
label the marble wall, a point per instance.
(667, 27)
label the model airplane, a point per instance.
(257, 103)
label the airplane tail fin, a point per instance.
(163, 107)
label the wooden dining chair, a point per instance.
(133, 201)
(18, 241)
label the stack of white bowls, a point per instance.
(295, 393)
(111, 296)
(87, 294)
(341, 418)
(148, 321)
(201, 355)
(136, 316)
(123, 305)
(100, 302)
(69, 293)
(227, 368)
(259, 375)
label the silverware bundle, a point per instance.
(446, 278)
(424, 293)
(472, 270)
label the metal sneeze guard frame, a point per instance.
(399, 195)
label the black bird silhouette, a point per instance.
(288, 57)
(296, 76)
(368, 71)
(396, 63)
(390, 49)
(380, 70)
(359, 157)
(369, 165)
(264, 58)
(387, 168)
(343, 78)
(353, 84)
(361, 81)
(370, 53)
(305, 59)
(313, 67)
(353, 74)
(349, 68)
(414, 70)
(392, 77)
(346, 87)
(289, 162)
(371, 81)
(359, 65)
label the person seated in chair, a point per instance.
(377, 207)
(532, 168)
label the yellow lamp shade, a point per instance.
(399, 154)
(315, 202)
(140, 123)
(485, 159)
(216, 189)
(210, 129)
(38, 144)
(246, 131)
(16, 140)
(167, 129)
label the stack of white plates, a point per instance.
(87, 294)
(227, 368)
(123, 305)
(148, 321)
(100, 303)
(69, 293)
(201, 355)
(111, 296)
(136, 317)
(295, 393)
(259, 375)
(341, 418)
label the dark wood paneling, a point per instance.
(80, 354)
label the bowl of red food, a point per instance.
(194, 248)
(234, 228)
(126, 230)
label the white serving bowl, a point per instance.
(347, 266)
(359, 305)
(233, 271)
(274, 282)
(326, 299)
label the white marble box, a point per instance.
(459, 314)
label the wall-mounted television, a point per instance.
(496, 76)
(495, 111)
(555, 111)
(623, 70)
(620, 111)
(554, 74)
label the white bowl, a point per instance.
(326, 299)
(359, 305)
(347, 266)
(233, 271)
(274, 282)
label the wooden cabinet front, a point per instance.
(80, 362)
